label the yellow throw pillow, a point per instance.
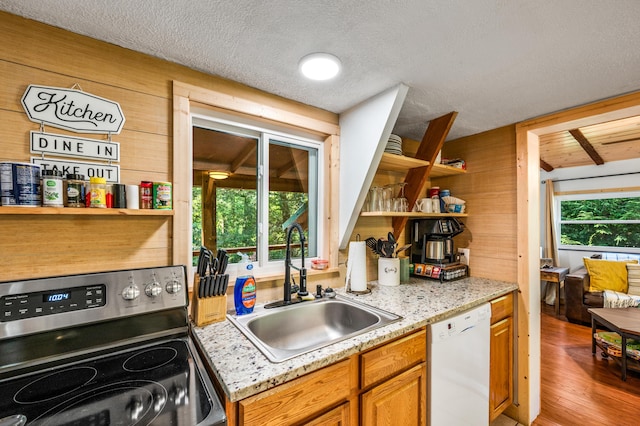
(633, 277)
(607, 274)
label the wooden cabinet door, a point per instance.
(401, 400)
(501, 372)
(339, 416)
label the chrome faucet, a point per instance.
(288, 265)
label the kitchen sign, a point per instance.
(110, 172)
(72, 109)
(71, 146)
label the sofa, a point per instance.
(579, 298)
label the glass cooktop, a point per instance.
(159, 384)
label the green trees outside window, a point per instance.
(604, 222)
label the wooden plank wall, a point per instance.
(34, 53)
(489, 189)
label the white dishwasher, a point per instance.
(458, 358)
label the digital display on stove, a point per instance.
(52, 302)
(56, 297)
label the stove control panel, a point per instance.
(20, 306)
(49, 303)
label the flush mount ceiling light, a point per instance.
(319, 66)
(218, 175)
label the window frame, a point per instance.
(265, 133)
(592, 196)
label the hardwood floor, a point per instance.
(578, 388)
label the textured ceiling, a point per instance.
(496, 62)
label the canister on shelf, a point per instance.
(20, 185)
(133, 197)
(162, 195)
(75, 190)
(98, 192)
(109, 195)
(119, 196)
(52, 194)
(146, 195)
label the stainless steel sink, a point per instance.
(289, 331)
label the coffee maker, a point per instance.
(432, 240)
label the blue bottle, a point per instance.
(244, 291)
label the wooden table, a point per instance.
(624, 321)
(554, 275)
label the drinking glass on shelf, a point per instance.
(403, 203)
(367, 204)
(375, 199)
(387, 197)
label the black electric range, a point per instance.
(109, 348)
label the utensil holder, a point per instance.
(389, 271)
(207, 310)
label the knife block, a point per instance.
(209, 309)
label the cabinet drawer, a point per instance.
(389, 360)
(294, 401)
(501, 307)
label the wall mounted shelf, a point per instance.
(9, 210)
(401, 163)
(411, 214)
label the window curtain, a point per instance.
(550, 245)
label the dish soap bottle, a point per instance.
(244, 291)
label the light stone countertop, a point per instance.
(243, 370)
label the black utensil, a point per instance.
(202, 287)
(201, 269)
(213, 285)
(223, 259)
(372, 244)
(403, 248)
(389, 249)
(222, 268)
(216, 285)
(382, 244)
(205, 284)
(225, 284)
(391, 238)
(213, 266)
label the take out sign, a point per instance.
(72, 110)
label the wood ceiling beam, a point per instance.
(246, 153)
(620, 141)
(586, 145)
(545, 166)
(431, 144)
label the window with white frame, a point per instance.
(270, 180)
(599, 221)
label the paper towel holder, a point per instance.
(348, 283)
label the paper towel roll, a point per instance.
(133, 194)
(357, 266)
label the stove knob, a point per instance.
(130, 292)
(153, 290)
(174, 287)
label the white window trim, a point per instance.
(214, 120)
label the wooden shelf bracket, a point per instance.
(431, 144)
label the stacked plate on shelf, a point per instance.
(394, 145)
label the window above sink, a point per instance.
(272, 180)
